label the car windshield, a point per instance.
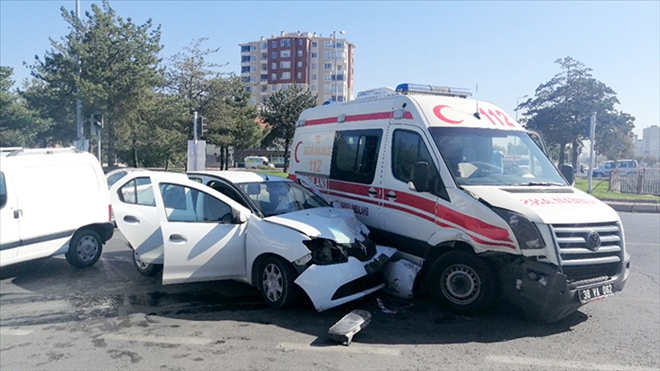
(278, 197)
(494, 157)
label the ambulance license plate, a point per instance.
(595, 293)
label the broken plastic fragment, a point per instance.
(344, 330)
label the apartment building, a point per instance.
(649, 145)
(322, 64)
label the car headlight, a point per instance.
(525, 230)
(325, 251)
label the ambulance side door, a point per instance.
(354, 174)
(409, 216)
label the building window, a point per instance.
(264, 45)
(273, 76)
(245, 59)
(299, 75)
(328, 55)
(339, 67)
(245, 79)
(328, 44)
(253, 58)
(264, 77)
(245, 69)
(253, 47)
(286, 75)
(273, 66)
(285, 42)
(327, 77)
(253, 78)
(264, 67)
(299, 64)
(253, 68)
(245, 48)
(314, 44)
(285, 53)
(300, 86)
(313, 66)
(314, 55)
(273, 44)
(248, 88)
(339, 45)
(264, 88)
(284, 86)
(313, 87)
(273, 88)
(264, 100)
(285, 64)
(300, 42)
(326, 97)
(327, 66)
(327, 88)
(300, 52)
(313, 77)
(273, 55)
(264, 56)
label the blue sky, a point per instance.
(507, 48)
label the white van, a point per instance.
(425, 169)
(53, 201)
(252, 162)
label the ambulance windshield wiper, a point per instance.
(529, 184)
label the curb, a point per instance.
(634, 207)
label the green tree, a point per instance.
(113, 64)
(281, 112)
(20, 125)
(563, 106)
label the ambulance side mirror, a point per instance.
(420, 177)
(567, 172)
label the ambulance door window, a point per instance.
(355, 155)
(408, 148)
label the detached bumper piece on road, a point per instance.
(344, 330)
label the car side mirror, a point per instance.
(420, 176)
(241, 218)
(567, 172)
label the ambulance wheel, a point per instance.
(276, 283)
(85, 248)
(462, 282)
(145, 269)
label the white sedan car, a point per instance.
(267, 231)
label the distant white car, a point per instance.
(267, 231)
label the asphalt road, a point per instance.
(53, 316)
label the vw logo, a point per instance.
(593, 241)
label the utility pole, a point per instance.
(592, 138)
(80, 143)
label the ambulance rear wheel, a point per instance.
(462, 282)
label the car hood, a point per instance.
(336, 224)
(548, 205)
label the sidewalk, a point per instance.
(633, 206)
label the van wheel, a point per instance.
(145, 269)
(85, 248)
(276, 283)
(463, 282)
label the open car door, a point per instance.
(203, 231)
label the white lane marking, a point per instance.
(157, 339)
(343, 349)
(558, 364)
(14, 332)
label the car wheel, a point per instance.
(145, 269)
(462, 282)
(85, 248)
(276, 283)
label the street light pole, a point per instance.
(518, 103)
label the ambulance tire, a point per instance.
(462, 282)
(276, 283)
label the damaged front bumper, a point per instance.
(546, 295)
(331, 285)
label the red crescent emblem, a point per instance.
(438, 112)
(295, 152)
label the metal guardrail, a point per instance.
(644, 181)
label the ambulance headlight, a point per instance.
(525, 230)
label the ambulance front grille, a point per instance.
(582, 259)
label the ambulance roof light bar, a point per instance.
(432, 90)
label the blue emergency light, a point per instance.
(432, 89)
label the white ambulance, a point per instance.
(434, 174)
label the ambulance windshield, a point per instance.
(494, 157)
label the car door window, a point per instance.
(184, 204)
(138, 191)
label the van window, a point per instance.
(355, 155)
(3, 191)
(138, 191)
(408, 148)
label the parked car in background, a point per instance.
(606, 168)
(267, 231)
(253, 162)
(52, 201)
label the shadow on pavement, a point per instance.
(112, 288)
